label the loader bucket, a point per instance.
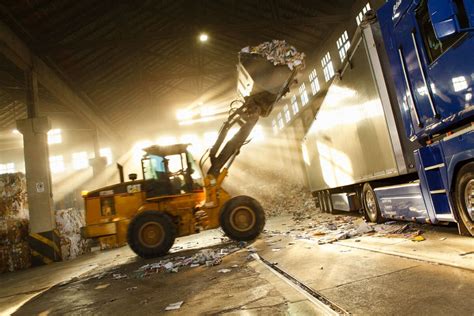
(259, 77)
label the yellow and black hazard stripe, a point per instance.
(45, 247)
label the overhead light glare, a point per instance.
(207, 111)
(203, 37)
(183, 115)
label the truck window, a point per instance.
(433, 46)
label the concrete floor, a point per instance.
(365, 276)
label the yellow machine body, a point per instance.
(109, 213)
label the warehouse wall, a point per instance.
(67, 183)
(291, 135)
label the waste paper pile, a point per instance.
(205, 257)
(69, 223)
(278, 52)
(14, 249)
(277, 194)
(173, 264)
(326, 229)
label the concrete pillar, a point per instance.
(44, 239)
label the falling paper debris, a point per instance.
(278, 52)
(118, 276)
(174, 306)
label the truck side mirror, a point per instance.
(445, 20)
(443, 17)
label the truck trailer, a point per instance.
(394, 136)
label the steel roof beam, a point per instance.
(21, 55)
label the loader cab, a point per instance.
(173, 164)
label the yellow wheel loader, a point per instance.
(175, 197)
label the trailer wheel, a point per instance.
(151, 234)
(371, 207)
(242, 218)
(464, 196)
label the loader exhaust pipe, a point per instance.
(120, 170)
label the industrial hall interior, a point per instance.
(224, 157)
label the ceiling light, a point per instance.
(203, 37)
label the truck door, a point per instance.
(449, 63)
(421, 102)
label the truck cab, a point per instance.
(429, 44)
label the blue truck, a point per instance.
(395, 133)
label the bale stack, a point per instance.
(69, 223)
(14, 248)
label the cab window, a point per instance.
(435, 47)
(153, 167)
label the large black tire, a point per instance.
(242, 218)
(371, 206)
(151, 234)
(464, 197)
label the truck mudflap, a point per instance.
(404, 202)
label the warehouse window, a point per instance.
(327, 67)
(7, 168)
(286, 109)
(313, 78)
(280, 121)
(294, 105)
(54, 136)
(362, 13)
(80, 160)
(107, 154)
(343, 45)
(303, 94)
(56, 164)
(274, 127)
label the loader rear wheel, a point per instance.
(371, 207)
(151, 234)
(464, 197)
(242, 218)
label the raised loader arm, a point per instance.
(222, 153)
(266, 73)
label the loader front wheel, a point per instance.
(242, 218)
(151, 234)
